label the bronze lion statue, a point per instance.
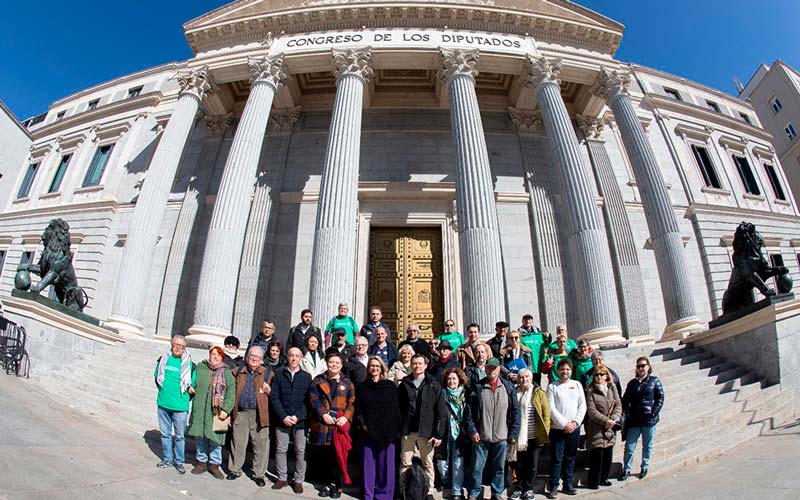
(750, 270)
(55, 267)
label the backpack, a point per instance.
(416, 484)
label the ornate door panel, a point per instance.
(405, 278)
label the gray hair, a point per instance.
(597, 353)
(257, 348)
(525, 370)
(343, 304)
(293, 349)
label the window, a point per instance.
(60, 171)
(98, 166)
(772, 175)
(712, 106)
(60, 115)
(26, 258)
(776, 105)
(791, 133)
(134, 92)
(745, 118)
(2, 260)
(775, 260)
(706, 166)
(672, 93)
(27, 181)
(92, 105)
(746, 174)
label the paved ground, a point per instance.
(48, 451)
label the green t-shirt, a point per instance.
(349, 325)
(169, 395)
(536, 343)
(571, 344)
(455, 339)
(554, 368)
(579, 366)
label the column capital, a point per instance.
(457, 62)
(591, 127)
(269, 70)
(526, 121)
(540, 70)
(612, 84)
(282, 120)
(216, 125)
(195, 82)
(353, 62)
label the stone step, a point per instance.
(114, 411)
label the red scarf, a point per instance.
(342, 443)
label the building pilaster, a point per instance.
(137, 255)
(478, 234)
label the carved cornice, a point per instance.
(269, 71)
(526, 121)
(353, 62)
(612, 84)
(458, 62)
(216, 125)
(591, 127)
(283, 120)
(540, 70)
(196, 82)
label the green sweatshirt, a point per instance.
(349, 325)
(455, 339)
(169, 395)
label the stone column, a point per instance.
(627, 270)
(665, 233)
(216, 292)
(134, 269)
(535, 147)
(478, 234)
(191, 208)
(588, 248)
(253, 290)
(333, 265)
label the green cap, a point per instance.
(493, 362)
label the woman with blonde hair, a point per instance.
(603, 409)
(401, 367)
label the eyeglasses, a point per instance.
(254, 358)
(514, 338)
(449, 325)
(179, 346)
(361, 346)
(641, 366)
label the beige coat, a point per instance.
(599, 409)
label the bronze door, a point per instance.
(405, 278)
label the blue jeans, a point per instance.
(169, 420)
(208, 451)
(496, 453)
(451, 468)
(631, 438)
(563, 450)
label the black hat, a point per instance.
(501, 324)
(444, 344)
(340, 331)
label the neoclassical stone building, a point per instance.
(442, 160)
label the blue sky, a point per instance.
(50, 49)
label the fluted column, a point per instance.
(535, 147)
(588, 247)
(478, 234)
(216, 292)
(191, 208)
(137, 256)
(253, 290)
(333, 266)
(627, 270)
(665, 233)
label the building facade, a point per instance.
(460, 160)
(774, 92)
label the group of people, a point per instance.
(469, 409)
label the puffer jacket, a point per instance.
(642, 401)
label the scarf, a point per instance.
(217, 383)
(524, 398)
(456, 401)
(186, 370)
(342, 444)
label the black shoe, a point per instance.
(605, 483)
(570, 492)
(259, 482)
(624, 476)
(231, 476)
(594, 486)
(336, 492)
(325, 491)
(643, 474)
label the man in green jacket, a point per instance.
(174, 376)
(533, 338)
(342, 320)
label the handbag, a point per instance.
(220, 425)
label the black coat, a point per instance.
(288, 396)
(419, 346)
(643, 401)
(355, 371)
(472, 417)
(496, 344)
(433, 413)
(298, 339)
(377, 409)
(438, 367)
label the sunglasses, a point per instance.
(641, 366)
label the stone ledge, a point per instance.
(767, 315)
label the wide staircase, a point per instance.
(711, 404)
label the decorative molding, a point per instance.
(110, 205)
(216, 125)
(772, 241)
(648, 244)
(39, 151)
(283, 120)
(794, 242)
(540, 70)
(733, 143)
(754, 197)
(458, 62)
(764, 152)
(195, 82)
(110, 132)
(726, 241)
(356, 62)
(715, 191)
(269, 70)
(526, 121)
(612, 84)
(70, 142)
(591, 127)
(510, 197)
(6, 239)
(687, 131)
